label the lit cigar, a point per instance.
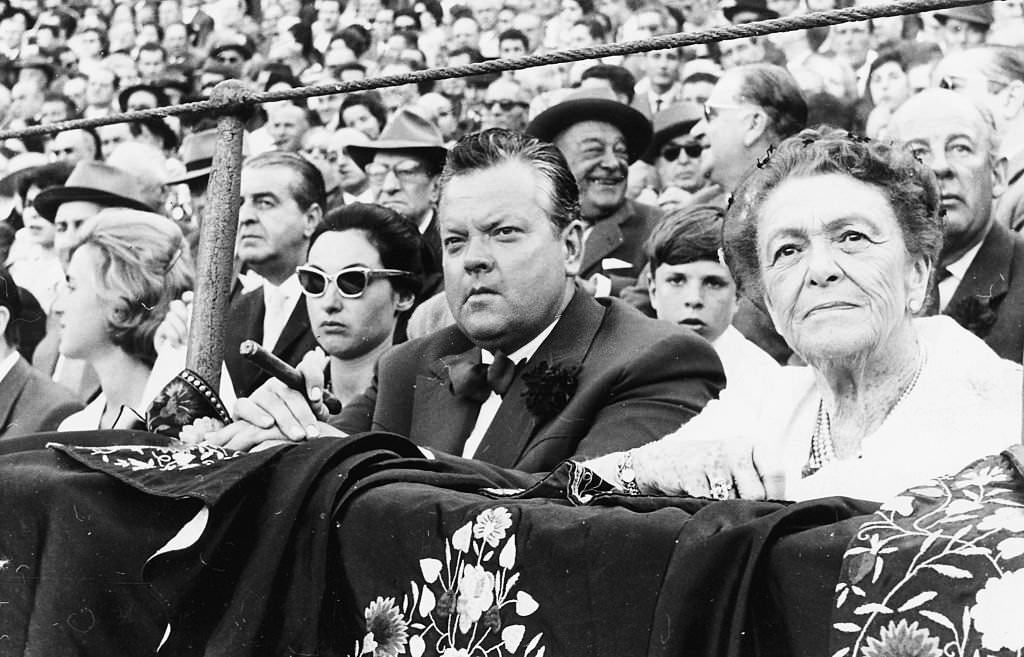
(277, 368)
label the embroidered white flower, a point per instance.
(455, 652)
(996, 612)
(1009, 519)
(491, 524)
(476, 595)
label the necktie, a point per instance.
(934, 306)
(657, 105)
(476, 381)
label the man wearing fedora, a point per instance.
(403, 165)
(600, 137)
(91, 187)
(963, 27)
(29, 401)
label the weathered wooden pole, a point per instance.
(217, 239)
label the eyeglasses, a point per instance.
(406, 171)
(320, 153)
(958, 82)
(351, 281)
(671, 151)
(506, 105)
(711, 110)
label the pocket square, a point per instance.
(614, 263)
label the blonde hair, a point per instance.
(143, 264)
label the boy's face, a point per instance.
(700, 295)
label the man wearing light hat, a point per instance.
(600, 137)
(403, 165)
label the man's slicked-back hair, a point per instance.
(490, 148)
(307, 185)
(774, 90)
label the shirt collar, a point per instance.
(525, 352)
(959, 268)
(7, 364)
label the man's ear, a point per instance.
(5, 319)
(652, 292)
(998, 175)
(435, 190)
(404, 300)
(314, 215)
(572, 247)
(755, 127)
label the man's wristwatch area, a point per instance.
(627, 475)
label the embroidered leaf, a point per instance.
(511, 581)
(507, 558)
(938, 618)
(525, 604)
(430, 568)
(1010, 548)
(460, 539)
(917, 600)
(539, 653)
(427, 602)
(972, 551)
(963, 531)
(927, 542)
(512, 636)
(878, 570)
(533, 643)
(872, 608)
(842, 652)
(415, 594)
(488, 555)
(847, 627)
(950, 571)
(416, 646)
(841, 600)
(857, 590)
(952, 519)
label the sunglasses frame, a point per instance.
(369, 274)
(688, 149)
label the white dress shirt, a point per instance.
(493, 402)
(279, 301)
(957, 271)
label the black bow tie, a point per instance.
(475, 381)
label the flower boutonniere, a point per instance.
(549, 387)
(975, 313)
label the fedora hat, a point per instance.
(95, 182)
(158, 93)
(241, 45)
(594, 104)
(197, 155)
(759, 7)
(977, 14)
(406, 131)
(671, 122)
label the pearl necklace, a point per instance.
(822, 447)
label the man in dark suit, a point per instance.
(980, 276)
(600, 137)
(282, 204)
(29, 401)
(536, 370)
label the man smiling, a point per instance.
(600, 137)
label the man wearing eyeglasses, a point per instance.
(402, 166)
(752, 108)
(282, 201)
(505, 105)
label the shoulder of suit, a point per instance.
(625, 320)
(444, 341)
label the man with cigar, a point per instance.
(536, 370)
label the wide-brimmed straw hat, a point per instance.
(406, 131)
(594, 104)
(95, 182)
(670, 123)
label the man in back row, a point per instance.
(536, 370)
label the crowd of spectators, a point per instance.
(644, 135)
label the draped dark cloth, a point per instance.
(342, 546)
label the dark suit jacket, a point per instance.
(996, 279)
(246, 323)
(31, 403)
(639, 380)
(621, 236)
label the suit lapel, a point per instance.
(246, 324)
(441, 420)
(514, 426)
(10, 389)
(989, 274)
(604, 237)
(294, 329)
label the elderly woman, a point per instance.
(887, 400)
(125, 269)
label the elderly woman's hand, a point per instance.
(719, 469)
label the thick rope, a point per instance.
(240, 101)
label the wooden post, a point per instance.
(215, 266)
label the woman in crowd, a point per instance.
(888, 87)
(887, 400)
(125, 269)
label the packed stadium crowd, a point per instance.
(356, 219)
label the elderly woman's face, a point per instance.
(837, 277)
